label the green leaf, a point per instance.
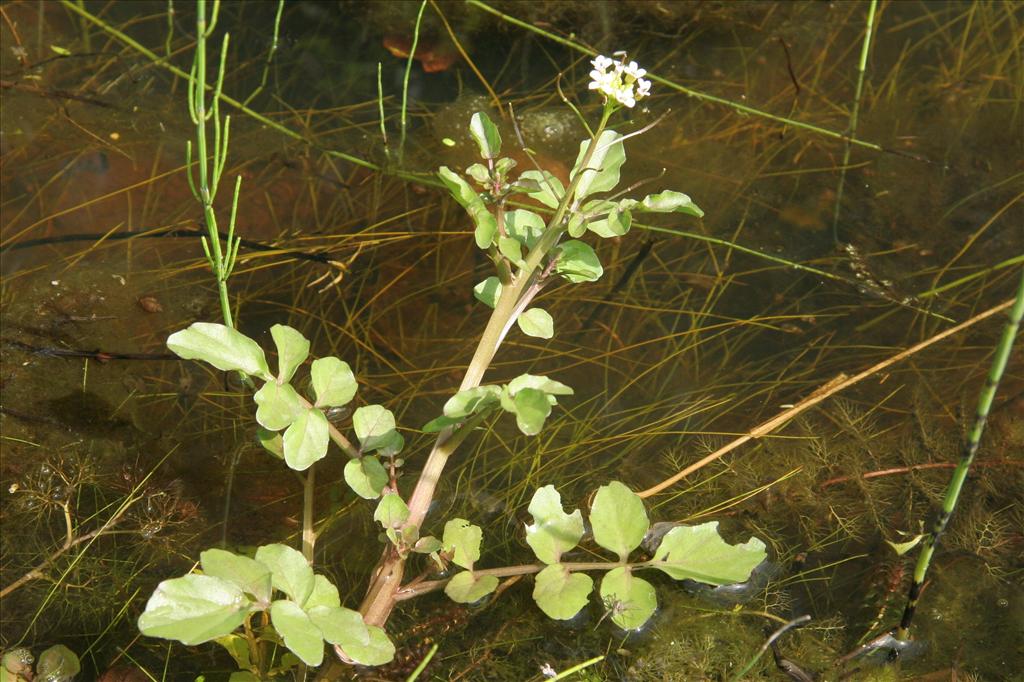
(619, 519)
(465, 588)
(488, 291)
(57, 664)
(602, 172)
(278, 405)
(577, 262)
(553, 532)
(333, 382)
(427, 544)
(221, 346)
(632, 600)
(561, 594)
(503, 165)
(290, 571)
(615, 224)
(483, 130)
(540, 383)
(238, 647)
(441, 423)
(478, 172)
(699, 553)
(551, 189)
(532, 408)
(324, 594)
(511, 248)
(366, 476)
(306, 439)
(463, 538)
(486, 225)
(471, 401)
(391, 511)
(300, 635)
(526, 227)
(536, 322)
(670, 202)
(373, 425)
(194, 609)
(378, 651)
(243, 676)
(577, 225)
(251, 576)
(339, 625)
(292, 351)
(271, 441)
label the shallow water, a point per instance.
(699, 330)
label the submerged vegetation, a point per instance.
(862, 218)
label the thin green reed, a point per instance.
(970, 449)
(854, 113)
(405, 81)
(210, 162)
(270, 54)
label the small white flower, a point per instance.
(625, 83)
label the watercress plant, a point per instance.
(275, 597)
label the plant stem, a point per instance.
(854, 112)
(308, 530)
(970, 449)
(380, 598)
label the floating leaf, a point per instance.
(551, 189)
(699, 553)
(577, 262)
(221, 346)
(339, 625)
(248, 574)
(378, 651)
(324, 594)
(194, 609)
(391, 511)
(670, 202)
(602, 171)
(536, 322)
(561, 594)
(619, 519)
(465, 588)
(366, 476)
(532, 408)
(306, 439)
(632, 600)
(471, 401)
(483, 130)
(463, 539)
(486, 226)
(553, 532)
(292, 351)
(333, 382)
(278, 405)
(57, 664)
(290, 571)
(300, 635)
(373, 425)
(488, 291)
(541, 383)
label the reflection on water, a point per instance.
(710, 330)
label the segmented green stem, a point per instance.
(970, 449)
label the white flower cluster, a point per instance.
(625, 83)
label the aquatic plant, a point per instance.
(248, 603)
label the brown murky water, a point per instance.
(698, 330)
